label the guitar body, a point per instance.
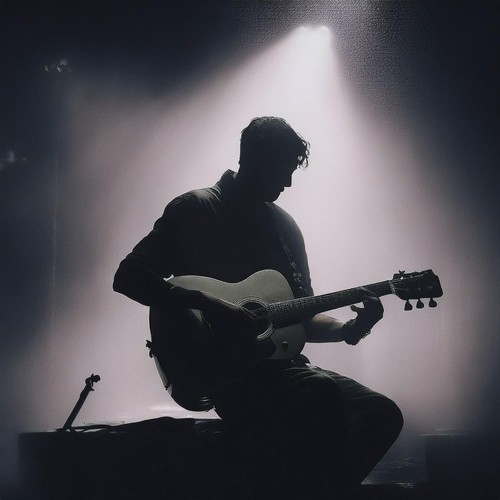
(186, 353)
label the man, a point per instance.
(330, 431)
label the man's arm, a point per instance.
(323, 328)
(140, 276)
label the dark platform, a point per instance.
(161, 458)
(171, 458)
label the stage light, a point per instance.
(322, 34)
(314, 36)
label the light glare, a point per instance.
(315, 32)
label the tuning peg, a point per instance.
(408, 306)
(432, 302)
(420, 304)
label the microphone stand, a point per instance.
(89, 382)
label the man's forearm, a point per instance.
(140, 283)
(323, 328)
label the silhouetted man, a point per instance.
(330, 431)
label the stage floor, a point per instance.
(188, 459)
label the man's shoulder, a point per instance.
(196, 200)
(283, 217)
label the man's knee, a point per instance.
(392, 416)
(317, 396)
(320, 388)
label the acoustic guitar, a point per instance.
(194, 361)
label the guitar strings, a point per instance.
(263, 312)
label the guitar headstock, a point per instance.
(417, 285)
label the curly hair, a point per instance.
(269, 137)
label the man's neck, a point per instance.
(245, 190)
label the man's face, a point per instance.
(274, 176)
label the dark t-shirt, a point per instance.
(210, 232)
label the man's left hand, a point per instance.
(367, 316)
(371, 312)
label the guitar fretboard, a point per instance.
(294, 311)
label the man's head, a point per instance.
(270, 151)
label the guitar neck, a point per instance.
(294, 311)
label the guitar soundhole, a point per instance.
(263, 321)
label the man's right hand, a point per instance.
(222, 316)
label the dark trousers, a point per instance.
(319, 432)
